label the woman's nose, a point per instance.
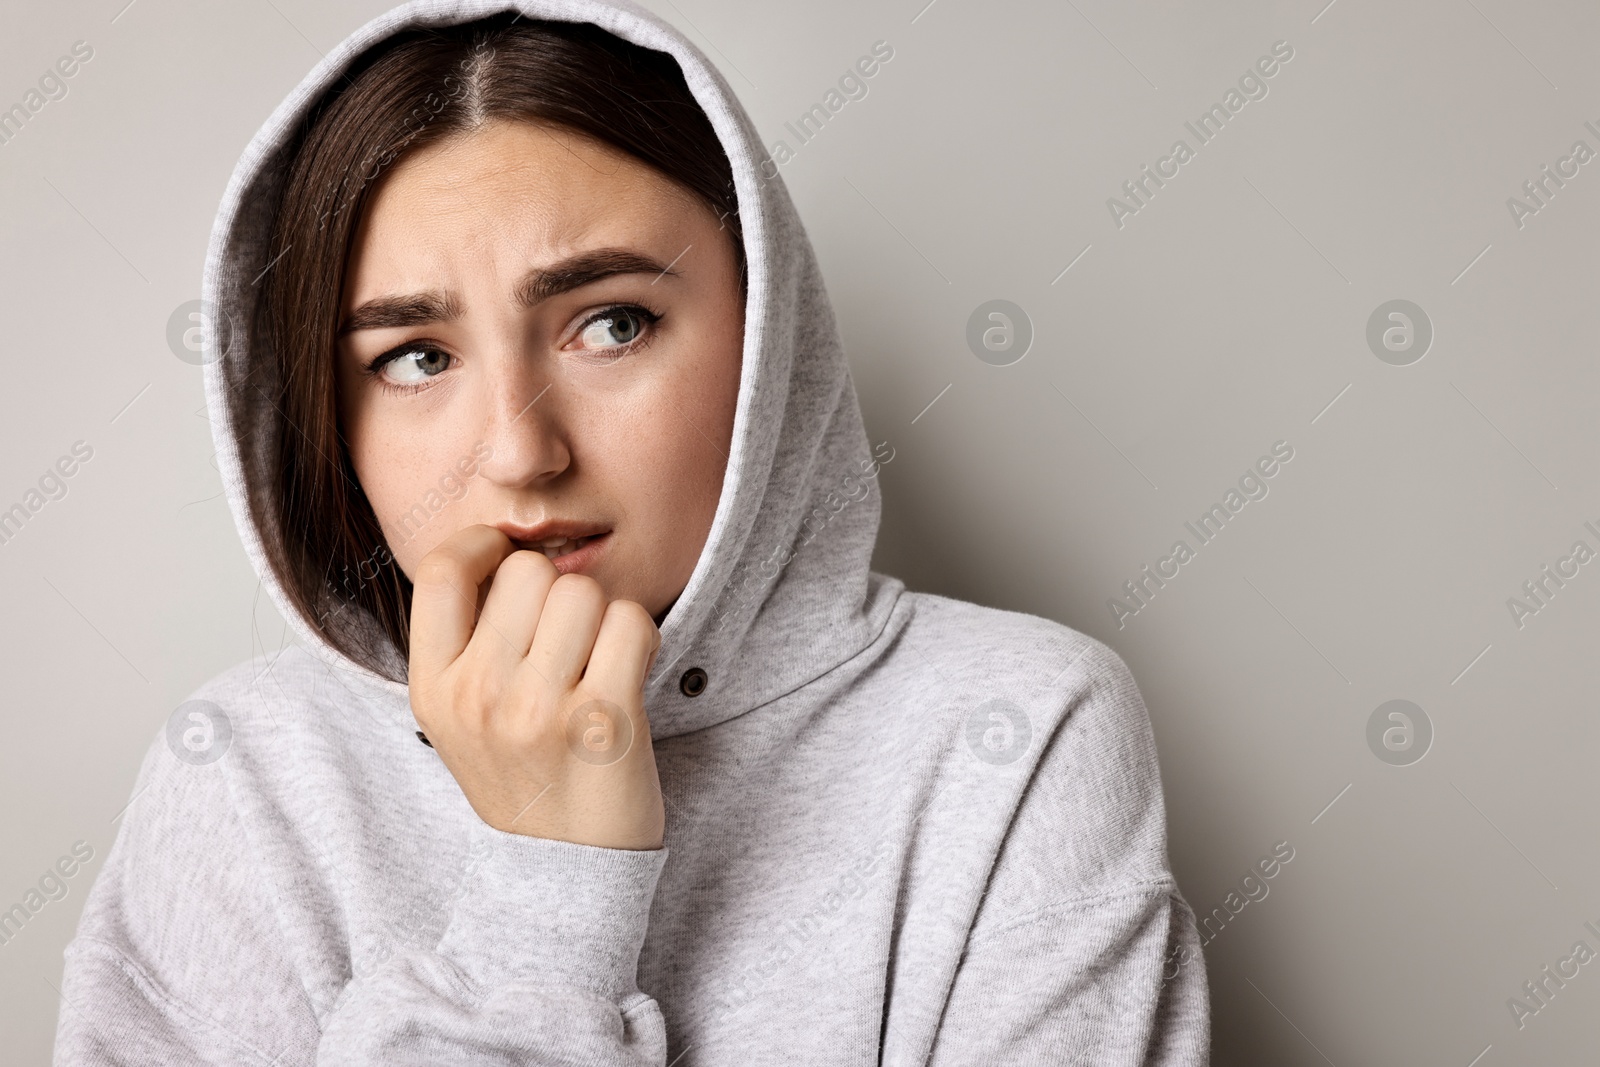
(523, 428)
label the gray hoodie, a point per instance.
(901, 829)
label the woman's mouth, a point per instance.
(571, 554)
(560, 546)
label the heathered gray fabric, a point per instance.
(866, 861)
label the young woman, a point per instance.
(601, 742)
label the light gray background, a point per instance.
(1228, 314)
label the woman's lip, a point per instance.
(583, 558)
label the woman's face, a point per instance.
(535, 328)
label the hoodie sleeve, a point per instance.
(538, 966)
(1099, 981)
(1083, 949)
(184, 956)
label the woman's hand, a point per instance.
(537, 705)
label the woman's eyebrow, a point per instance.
(539, 284)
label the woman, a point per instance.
(602, 743)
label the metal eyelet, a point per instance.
(693, 682)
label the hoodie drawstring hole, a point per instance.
(693, 682)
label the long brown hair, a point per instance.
(419, 86)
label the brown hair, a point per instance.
(421, 85)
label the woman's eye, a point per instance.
(414, 365)
(615, 327)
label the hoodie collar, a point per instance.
(782, 592)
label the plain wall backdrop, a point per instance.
(1440, 459)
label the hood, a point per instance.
(782, 592)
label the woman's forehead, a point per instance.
(520, 183)
(527, 162)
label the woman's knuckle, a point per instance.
(438, 567)
(580, 587)
(524, 563)
(630, 613)
(480, 692)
